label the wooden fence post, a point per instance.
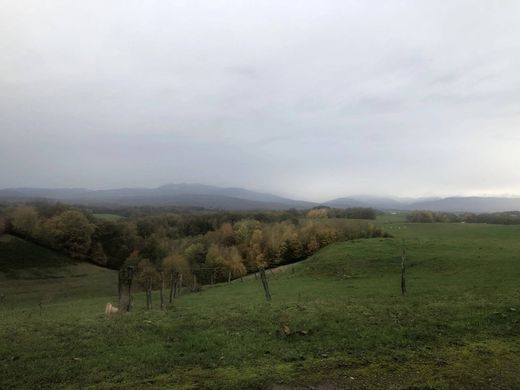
(172, 287)
(194, 288)
(125, 288)
(179, 285)
(229, 277)
(263, 277)
(149, 294)
(403, 270)
(162, 291)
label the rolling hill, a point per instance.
(32, 274)
(336, 321)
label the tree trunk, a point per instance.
(179, 285)
(125, 288)
(149, 294)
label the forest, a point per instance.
(499, 218)
(213, 245)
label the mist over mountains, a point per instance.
(182, 195)
(234, 198)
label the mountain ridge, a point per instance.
(183, 194)
(236, 198)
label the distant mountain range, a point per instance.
(182, 195)
(377, 202)
(451, 204)
(212, 197)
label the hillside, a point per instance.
(337, 320)
(31, 274)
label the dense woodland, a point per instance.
(503, 218)
(207, 244)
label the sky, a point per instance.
(309, 99)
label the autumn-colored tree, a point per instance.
(255, 251)
(244, 229)
(24, 220)
(118, 239)
(292, 249)
(234, 262)
(317, 213)
(72, 232)
(177, 264)
(226, 234)
(273, 236)
(225, 259)
(214, 257)
(312, 245)
(97, 254)
(145, 271)
(326, 235)
(196, 255)
(155, 248)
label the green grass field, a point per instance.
(31, 275)
(337, 320)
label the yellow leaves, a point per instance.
(317, 213)
(226, 257)
(175, 263)
(24, 220)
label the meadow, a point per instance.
(336, 320)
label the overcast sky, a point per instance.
(311, 99)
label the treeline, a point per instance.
(501, 218)
(351, 213)
(233, 216)
(210, 245)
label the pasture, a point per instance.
(337, 320)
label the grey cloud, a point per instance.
(307, 99)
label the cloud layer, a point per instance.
(308, 99)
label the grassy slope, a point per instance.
(31, 274)
(457, 328)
